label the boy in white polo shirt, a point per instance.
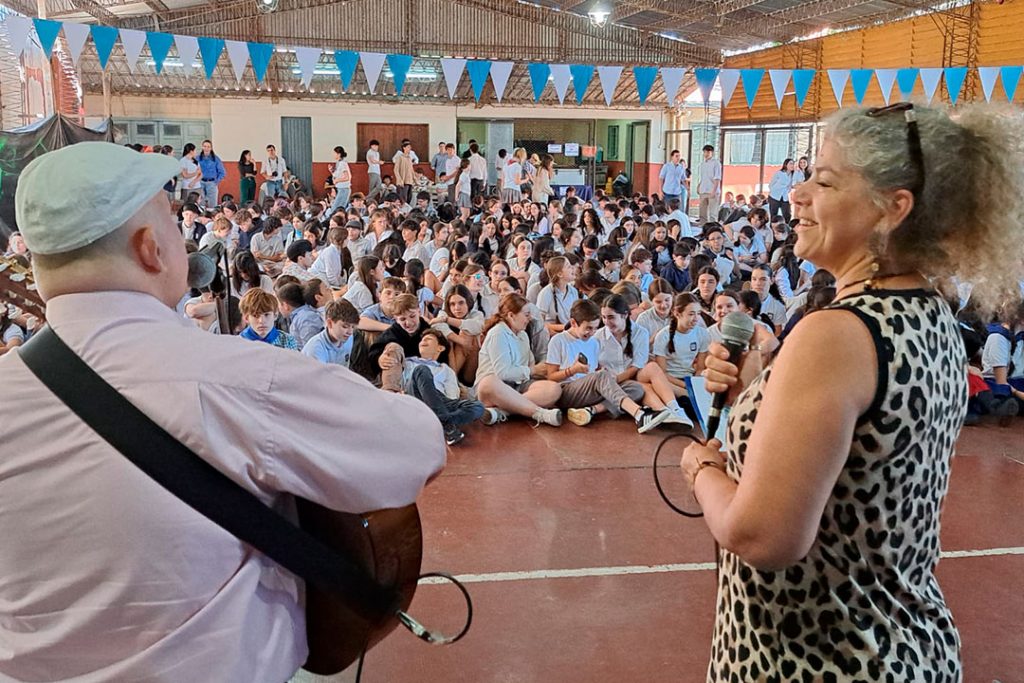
(587, 389)
(333, 344)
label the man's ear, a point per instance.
(146, 250)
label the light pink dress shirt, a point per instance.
(104, 575)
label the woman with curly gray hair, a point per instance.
(829, 523)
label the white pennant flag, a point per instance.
(452, 69)
(988, 75)
(930, 80)
(373, 63)
(672, 78)
(886, 79)
(75, 35)
(500, 71)
(133, 42)
(307, 57)
(728, 79)
(780, 79)
(238, 53)
(188, 48)
(561, 75)
(18, 30)
(609, 76)
(838, 78)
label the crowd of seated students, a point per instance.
(566, 309)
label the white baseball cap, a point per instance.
(71, 197)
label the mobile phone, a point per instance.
(582, 358)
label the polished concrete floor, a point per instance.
(580, 574)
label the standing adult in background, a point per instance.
(710, 186)
(477, 170)
(405, 174)
(211, 170)
(117, 592)
(246, 177)
(189, 172)
(274, 169)
(439, 162)
(342, 177)
(778, 191)
(451, 170)
(833, 518)
(373, 170)
(542, 184)
(673, 179)
(412, 153)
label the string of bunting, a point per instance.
(258, 55)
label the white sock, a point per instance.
(673, 405)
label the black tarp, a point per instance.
(20, 146)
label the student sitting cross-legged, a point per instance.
(259, 310)
(430, 380)
(507, 381)
(398, 342)
(587, 388)
(333, 345)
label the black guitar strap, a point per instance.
(195, 481)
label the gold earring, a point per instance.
(869, 283)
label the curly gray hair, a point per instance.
(968, 220)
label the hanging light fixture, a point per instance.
(267, 6)
(599, 13)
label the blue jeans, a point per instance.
(450, 411)
(340, 200)
(272, 188)
(210, 197)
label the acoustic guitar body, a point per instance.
(388, 545)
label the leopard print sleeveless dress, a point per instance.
(864, 604)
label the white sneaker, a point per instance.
(647, 419)
(493, 416)
(548, 416)
(678, 417)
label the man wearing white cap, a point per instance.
(104, 575)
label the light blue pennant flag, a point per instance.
(159, 46)
(955, 77)
(478, 70)
(802, 80)
(885, 78)
(988, 76)
(103, 37)
(259, 56)
(346, 61)
(399, 65)
(860, 79)
(644, 76)
(47, 30)
(751, 79)
(539, 74)
(209, 50)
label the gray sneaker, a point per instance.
(548, 416)
(493, 416)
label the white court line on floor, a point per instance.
(585, 572)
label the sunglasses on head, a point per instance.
(913, 137)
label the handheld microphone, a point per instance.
(737, 331)
(202, 265)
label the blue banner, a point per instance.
(581, 77)
(399, 65)
(706, 82)
(159, 46)
(103, 37)
(860, 79)
(905, 80)
(955, 76)
(751, 79)
(478, 70)
(47, 31)
(802, 80)
(539, 75)
(644, 76)
(259, 56)
(346, 61)
(1011, 78)
(209, 50)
